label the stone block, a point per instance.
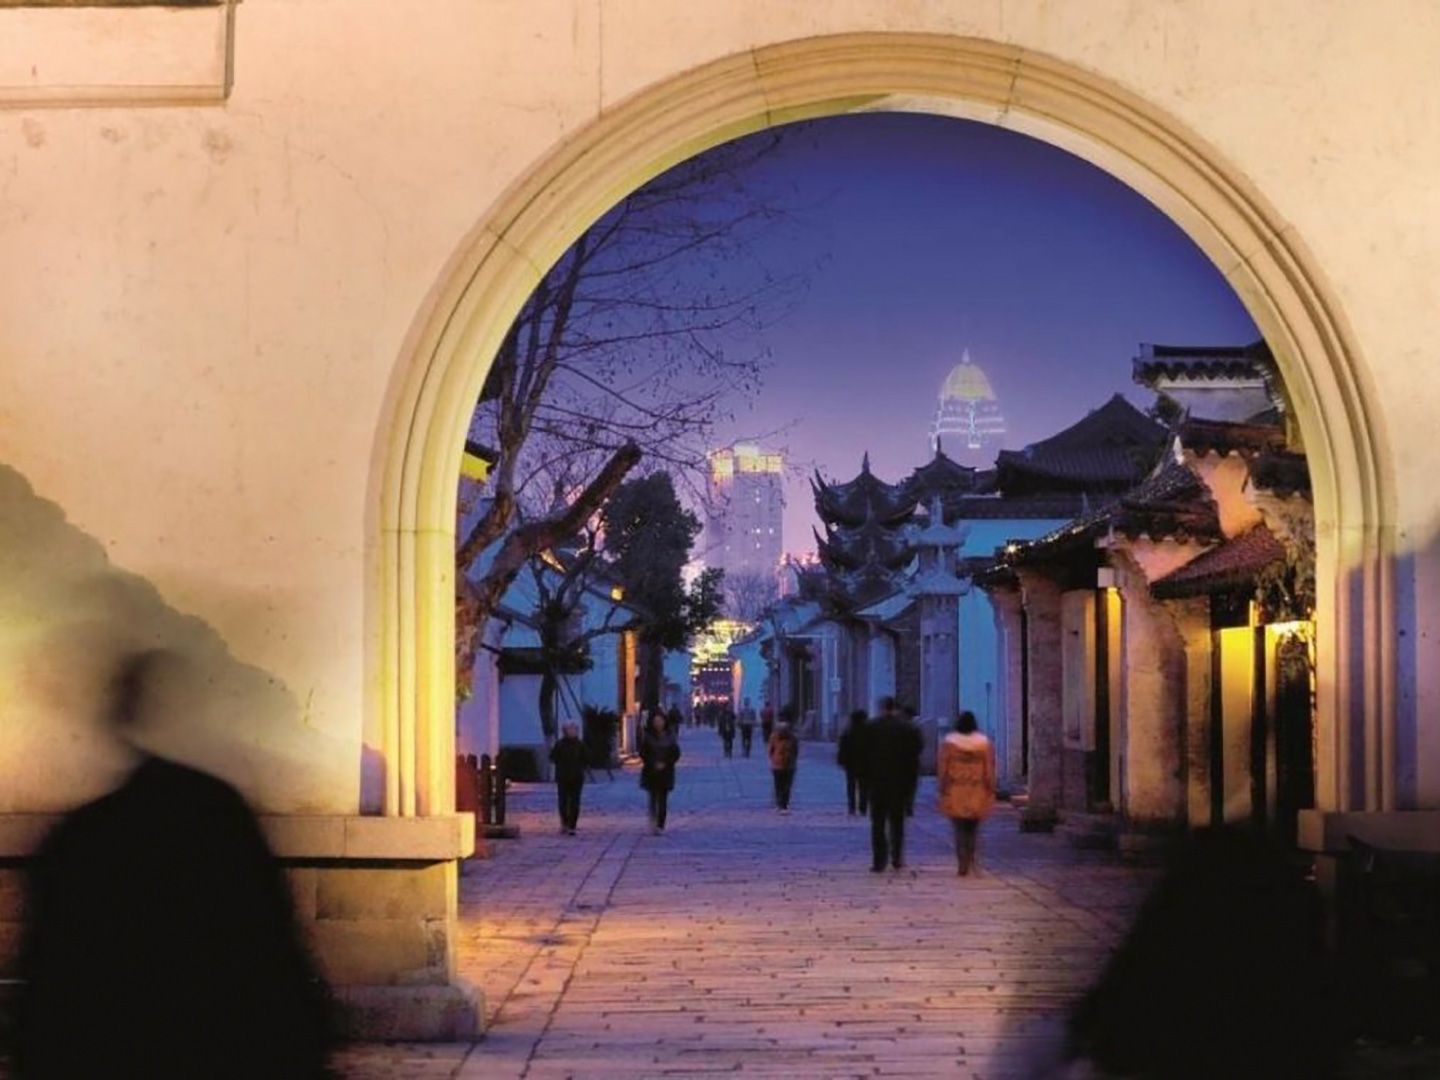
(399, 893)
(302, 836)
(303, 882)
(453, 1013)
(419, 838)
(380, 952)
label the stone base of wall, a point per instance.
(452, 1013)
(374, 901)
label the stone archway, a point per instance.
(1265, 261)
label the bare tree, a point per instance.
(639, 339)
(749, 594)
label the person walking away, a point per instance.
(784, 750)
(659, 751)
(568, 757)
(747, 726)
(727, 731)
(767, 723)
(673, 719)
(851, 758)
(892, 750)
(966, 771)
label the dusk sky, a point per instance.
(935, 235)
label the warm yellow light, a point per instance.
(474, 468)
(1293, 626)
(617, 593)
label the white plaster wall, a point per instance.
(202, 308)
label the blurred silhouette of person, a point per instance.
(568, 757)
(892, 749)
(767, 723)
(161, 939)
(965, 774)
(850, 756)
(1222, 975)
(747, 726)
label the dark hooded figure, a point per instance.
(161, 940)
(1222, 975)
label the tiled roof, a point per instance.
(1224, 437)
(940, 476)
(850, 548)
(1234, 563)
(1173, 503)
(1060, 507)
(865, 497)
(1202, 362)
(1111, 447)
(1285, 474)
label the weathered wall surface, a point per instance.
(203, 308)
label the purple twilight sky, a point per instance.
(934, 235)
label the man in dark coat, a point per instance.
(747, 726)
(851, 758)
(568, 757)
(892, 752)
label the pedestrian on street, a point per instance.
(659, 751)
(892, 748)
(912, 718)
(784, 750)
(673, 719)
(568, 757)
(727, 731)
(747, 726)
(767, 723)
(966, 772)
(851, 757)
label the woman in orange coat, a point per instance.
(966, 772)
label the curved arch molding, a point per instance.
(1263, 258)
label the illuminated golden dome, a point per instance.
(966, 382)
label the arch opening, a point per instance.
(1261, 257)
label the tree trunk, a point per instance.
(652, 676)
(549, 689)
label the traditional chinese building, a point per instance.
(1156, 649)
(889, 611)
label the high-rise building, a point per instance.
(744, 522)
(968, 425)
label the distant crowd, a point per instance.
(881, 759)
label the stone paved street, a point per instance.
(743, 940)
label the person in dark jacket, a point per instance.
(659, 751)
(892, 751)
(747, 726)
(568, 757)
(851, 758)
(767, 723)
(726, 729)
